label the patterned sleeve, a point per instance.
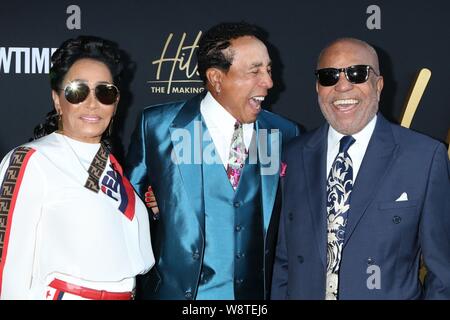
(21, 193)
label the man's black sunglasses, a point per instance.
(355, 74)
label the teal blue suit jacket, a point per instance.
(178, 231)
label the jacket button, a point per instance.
(370, 261)
(238, 228)
(188, 295)
(239, 255)
(300, 259)
(238, 281)
(396, 219)
(237, 204)
(290, 216)
(195, 255)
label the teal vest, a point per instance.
(233, 259)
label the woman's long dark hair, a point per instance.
(67, 54)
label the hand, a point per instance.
(150, 201)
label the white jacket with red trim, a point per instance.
(52, 226)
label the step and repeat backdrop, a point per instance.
(160, 40)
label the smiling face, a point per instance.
(87, 120)
(244, 86)
(346, 106)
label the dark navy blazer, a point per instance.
(384, 238)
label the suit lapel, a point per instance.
(268, 144)
(186, 132)
(315, 160)
(377, 161)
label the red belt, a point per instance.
(88, 293)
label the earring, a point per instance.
(60, 123)
(110, 127)
(218, 90)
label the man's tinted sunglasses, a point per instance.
(355, 74)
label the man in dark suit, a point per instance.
(363, 199)
(213, 164)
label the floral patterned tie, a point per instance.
(237, 156)
(339, 188)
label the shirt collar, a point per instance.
(217, 114)
(361, 137)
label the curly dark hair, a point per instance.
(66, 55)
(211, 46)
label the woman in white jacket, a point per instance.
(72, 226)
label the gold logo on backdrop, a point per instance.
(176, 70)
(412, 102)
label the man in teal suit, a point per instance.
(213, 163)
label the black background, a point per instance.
(414, 34)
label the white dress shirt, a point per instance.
(220, 124)
(356, 150)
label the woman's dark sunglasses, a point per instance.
(77, 91)
(355, 74)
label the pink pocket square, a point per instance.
(283, 169)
